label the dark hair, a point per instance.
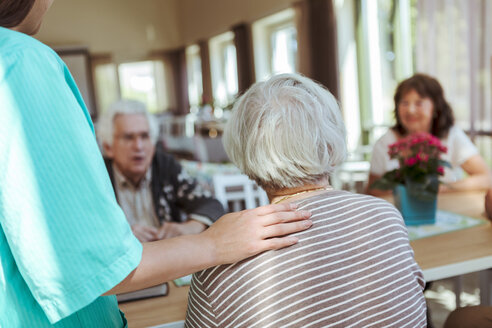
(427, 87)
(13, 12)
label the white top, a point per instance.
(460, 149)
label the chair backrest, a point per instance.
(176, 132)
(237, 192)
(210, 149)
(351, 176)
(177, 126)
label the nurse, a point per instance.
(64, 241)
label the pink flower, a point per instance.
(411, 161)
(417, 155)
(422, 157)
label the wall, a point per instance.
(129, 29)
(201, 19)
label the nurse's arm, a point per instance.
(234, 237)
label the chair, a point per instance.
(486, 287)
(210, 149)
(351, 176)
(176, 132)
(237, 192)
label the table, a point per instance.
(447, 255)
(157, 310)
(459, 252)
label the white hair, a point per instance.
(124, 107)
(286, 132)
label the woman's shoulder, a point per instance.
(338, 198)
(455, 132)
(380, 148)
(13, 43)
(386, 139)
(457, 139)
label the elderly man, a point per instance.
(159, 198)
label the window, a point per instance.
(376, 52)
(107, 86)
(143, 81)
(382, 42)
(459, 55)
(194, 72)
(385, 57)
(224, 69)
(275, 44)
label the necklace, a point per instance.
(299, 193)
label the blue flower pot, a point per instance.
(414, 211)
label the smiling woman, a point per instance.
(420, 107)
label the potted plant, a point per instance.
(415, 183)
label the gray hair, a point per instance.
(124, 107)
(286, 132)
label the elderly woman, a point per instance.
(420, 106)
(353, 268)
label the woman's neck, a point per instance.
(289, 194)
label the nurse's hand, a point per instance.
(233, 237)
(174, 229)
(239, 235)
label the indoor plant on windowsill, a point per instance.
(415, 183)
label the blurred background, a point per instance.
(189, 59)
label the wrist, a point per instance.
(208, 249)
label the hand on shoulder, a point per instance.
(239, 235)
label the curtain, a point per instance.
(177, 79)
(317, 39)
(207, 96)
(454, 44)
(303, 40)
(244, 53)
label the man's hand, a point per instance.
(173, 229)
(144, 233)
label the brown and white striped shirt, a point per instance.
(353, 268)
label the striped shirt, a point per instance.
(353, 268)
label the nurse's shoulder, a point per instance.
(14, 45)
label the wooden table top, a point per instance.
(157, 310)
(461, 251)
(441, 256)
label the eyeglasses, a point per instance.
(129, 138)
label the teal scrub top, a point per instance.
(64, 241)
